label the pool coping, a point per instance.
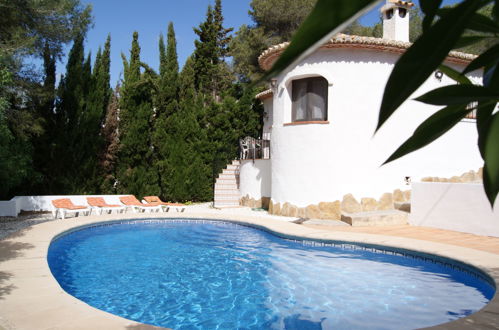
(30, 297)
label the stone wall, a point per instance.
(333, 210)
(255, 203)
(468, 177)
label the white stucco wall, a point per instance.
(254, 178)
(454, 206)
(316, 162)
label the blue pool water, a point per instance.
(216, 275)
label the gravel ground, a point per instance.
(9, 225)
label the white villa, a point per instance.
(320, 118)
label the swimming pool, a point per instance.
(209, 274)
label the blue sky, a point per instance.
(121, 18)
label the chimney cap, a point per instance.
(396, 3)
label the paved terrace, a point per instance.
(30, 298)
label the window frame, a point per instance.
(324, 94)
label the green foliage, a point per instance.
(483, 39)
(27, 28)
(108, 155)
(165, 114)
(135, 173)
(275, 22)
(15, 162)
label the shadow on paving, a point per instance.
(10, 250)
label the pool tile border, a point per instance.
(31, 298)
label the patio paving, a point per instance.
(477, 242)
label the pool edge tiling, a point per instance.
(31, 298)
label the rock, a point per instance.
(285, 209)
(302, 212)
(455, 179)
(407, 195)
(350, 204)
(276, 209)
(398, 196)
(313, 212)
(330, 210)
(385, 202)
(293, 211)
(480, 173)
(469, 177)
(368, 204)
(427, 179)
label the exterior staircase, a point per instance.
(227, 187)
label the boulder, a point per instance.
(313, 212)
(407, 195)
(398, 196)
(368, 204)
(350, 205)
(330, 210)
(385, 202)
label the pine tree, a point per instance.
(135, 170)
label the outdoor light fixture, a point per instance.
(407, 180)
(439, 74)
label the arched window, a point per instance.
(389, 13)
(309, 97)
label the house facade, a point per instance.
(320, 117)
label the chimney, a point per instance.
(396, 20)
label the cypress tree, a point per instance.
(43, 144)
(98, 96)
(223, 38)
(192, 179)
(108, 156)
(70, 105)
(167, 107)
(206, 55)
(135, 170)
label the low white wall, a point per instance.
(455, 206)
(44, 203)
(254, 178)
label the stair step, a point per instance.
(226, 192)
(226, 204)
(227, 176)
(226, 181)
(226, 187)
(227, 198)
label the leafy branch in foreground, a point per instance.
(444, 30)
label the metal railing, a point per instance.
(251, 148)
